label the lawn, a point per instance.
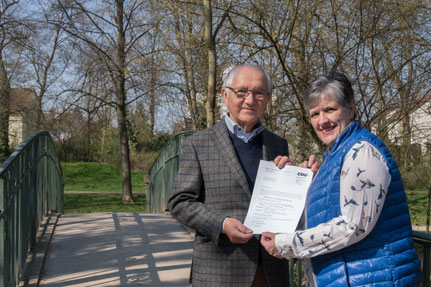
(97, 177)
(417, 202)
(86, 181)
(93, 176)
(101, 202)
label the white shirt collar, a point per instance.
(239, 132)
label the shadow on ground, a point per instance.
(118, 249)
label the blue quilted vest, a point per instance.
(386, 257)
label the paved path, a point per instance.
(118, 249)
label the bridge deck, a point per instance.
(118, 249)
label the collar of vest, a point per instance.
(351, 128)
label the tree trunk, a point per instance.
(120, 80)
(88, 138)
(428, 206)
(125, 155)
(212, 61)
(4, 111)
(153, 95)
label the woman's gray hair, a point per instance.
(230, 75)
(334, 84)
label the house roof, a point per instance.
(20, 99)
(393, 115)
(418, 103)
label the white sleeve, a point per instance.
(364, 181)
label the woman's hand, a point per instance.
(281, 161)
(311, 163)
(268, 241)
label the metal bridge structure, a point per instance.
(31, 187)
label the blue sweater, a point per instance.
(249, 155)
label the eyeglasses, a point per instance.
(243, 93)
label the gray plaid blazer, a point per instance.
(211, 185)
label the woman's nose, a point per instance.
(323, 119)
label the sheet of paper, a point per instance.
(278, 198)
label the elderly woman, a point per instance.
(357, 223)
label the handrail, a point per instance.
(424, 239)
(31, 186)
(162, 174)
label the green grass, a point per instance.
(99, 177)
(92, 176)
(101, 202)
(417, 202)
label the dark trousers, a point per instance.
(260, 278)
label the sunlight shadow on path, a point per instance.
(118, 249)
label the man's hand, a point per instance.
(236, 231)
(311, 163)
(281, 161)
(268, 241)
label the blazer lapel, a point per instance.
(228, 154)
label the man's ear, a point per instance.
(269, 97)
(224, 95)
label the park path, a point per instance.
(118, 249)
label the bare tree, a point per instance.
(4, 108)
(12, 38)
(299, 40)
(45, 45)
(210, 41)
(112, 33)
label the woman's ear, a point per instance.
(352, 107)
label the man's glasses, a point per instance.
(243, 93)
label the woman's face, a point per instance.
(329, 118)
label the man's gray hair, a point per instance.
(230, 75)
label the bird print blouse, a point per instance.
(364, 170)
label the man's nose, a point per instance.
(249, 99)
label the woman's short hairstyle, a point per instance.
(334, 84)
(229, 77)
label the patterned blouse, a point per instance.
(365, 170)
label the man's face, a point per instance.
(247, 111)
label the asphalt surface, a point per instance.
(117, 249)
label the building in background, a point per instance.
(420, 123)
(22, 118)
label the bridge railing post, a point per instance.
(3, 234)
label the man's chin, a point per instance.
(249, 120)
(249, 117)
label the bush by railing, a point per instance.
(162, 174)
(31, 186)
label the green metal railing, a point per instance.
(162, 174)
(31, 186)
(424, 240)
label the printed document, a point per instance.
(278, 198)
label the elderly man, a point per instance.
(214, 183)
